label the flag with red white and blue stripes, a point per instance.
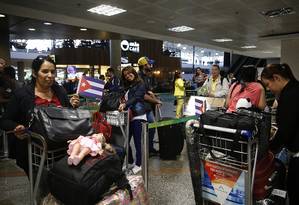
(200, 106)
(90, 87)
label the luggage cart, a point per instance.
(121, 120)
(40, 158)
(222, 169)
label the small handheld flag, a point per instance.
(90, 87)
(200, 106)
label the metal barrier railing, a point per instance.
(145, 141)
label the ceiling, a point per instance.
(240, 20)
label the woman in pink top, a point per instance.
(246, 87)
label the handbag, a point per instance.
(60, 124)
(111, 101)
(101, 125)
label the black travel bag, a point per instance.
(86, 183)
(171, 140)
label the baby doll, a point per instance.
(84, 145)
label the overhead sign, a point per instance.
(129, 46)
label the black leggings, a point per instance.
(293, 181)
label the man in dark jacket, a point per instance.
(150, 99)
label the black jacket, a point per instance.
(135, 100)
(287, 118)
(18, 113)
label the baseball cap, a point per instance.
(145, 60)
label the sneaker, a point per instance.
(136, 169)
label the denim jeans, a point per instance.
(135, 130)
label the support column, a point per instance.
(4, 40)
(115, 53)
(289, 54)
(21, 73)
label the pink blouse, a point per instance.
(252, 91)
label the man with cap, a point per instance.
(150, 99)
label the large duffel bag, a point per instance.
(171, 140)
(59, 124)
(86, 183)
(228, 120)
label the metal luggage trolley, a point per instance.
(222, 169)
(121, 120)
(40, 158)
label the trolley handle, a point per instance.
(245, 133)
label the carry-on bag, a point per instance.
(86, 183)
(60, 124)
(171, 140)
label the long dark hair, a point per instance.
(130, 69)
(37, 63)
(283, 70)
(175, 77)
(247, 74)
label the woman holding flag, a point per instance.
(43, 90)
(134, 101)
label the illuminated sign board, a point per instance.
(129, 46)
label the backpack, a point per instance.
(86, 183)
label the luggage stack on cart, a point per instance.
(223, 151)
(47, 163)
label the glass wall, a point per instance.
(203, 57)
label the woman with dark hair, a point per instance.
(134, 101)
(199, 77)
(279, 79)
(246, 87)
(179, 93)
(43, 90)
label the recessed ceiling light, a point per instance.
(181, 29)
(184, 48)
(31, 29)
(106, 10)
(202, 51)
(247, 47)
(48, 23)
(2, 15)
(83, 29)
(267, 52)
(278, 12)
(179, 45)
(221, 40)
(216, 54)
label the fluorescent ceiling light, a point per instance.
(184, 48)
(267, 52)
(247, 47)
(83, 29)
(2, 15)
(48, 23)
(31, 29)
(179, 45)
(106, 10)
(221, 40)
(181, 29)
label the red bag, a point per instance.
(100, 125)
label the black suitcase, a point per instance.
(86, 183)
(171, 140)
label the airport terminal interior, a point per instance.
(203, 93)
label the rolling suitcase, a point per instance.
(171, 140)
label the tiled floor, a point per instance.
(169, 181)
